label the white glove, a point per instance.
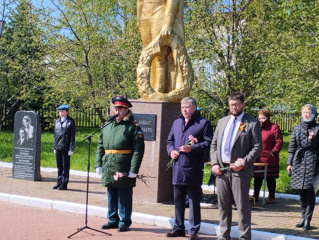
(54, 151)
(70, 153)
(132, 175)
(98, 170)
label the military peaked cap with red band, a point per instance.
(120, 101)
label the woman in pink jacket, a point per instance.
(272, 144)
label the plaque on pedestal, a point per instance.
(147, 123)
(155, 119)
(26, 146)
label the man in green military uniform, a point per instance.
(119, 155)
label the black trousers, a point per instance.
(271, 185)
(63, 165)
(307, 203)
(194, 193)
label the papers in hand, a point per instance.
(315, 183)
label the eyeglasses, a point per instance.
(235, 104)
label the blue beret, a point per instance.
(120, 101)
(63, 107)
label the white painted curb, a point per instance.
(160, 221)
(206, 228)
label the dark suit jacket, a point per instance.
(247, 144)
(26, 143)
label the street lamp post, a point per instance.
(2, 22)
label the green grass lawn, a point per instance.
(284, 180)
(78, 159)
(80, 156)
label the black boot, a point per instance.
(63, 187)
(301, 223)
(57, 186)
(306, 226)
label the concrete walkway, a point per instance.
(33, 210)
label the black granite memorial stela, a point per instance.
(26, 146)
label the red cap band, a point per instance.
(121, 104)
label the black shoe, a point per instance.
(176, 233)
(62, 187)
(271, 200)
(306, 226)
(57, 186)
(301, 223)
(122, 229)
(192, 237)
(109, 226)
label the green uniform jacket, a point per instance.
(125, 135)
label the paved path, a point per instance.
(22, 222)
(32, 223)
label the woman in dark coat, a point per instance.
(303, 162)
(272, 144)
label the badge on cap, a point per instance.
(120, 101)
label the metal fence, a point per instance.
(90, 119)
(285, 120)
(84, 119)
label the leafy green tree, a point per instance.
(229, 36)
(95, 47)
(22, 55)
(267, 49)
(294, 56)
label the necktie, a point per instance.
(186, 121)
(227, 147)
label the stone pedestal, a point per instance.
(26, 146)
(158, 187)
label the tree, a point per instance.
(294, 56)
(95, 47)
(230, 37)
(22, 55)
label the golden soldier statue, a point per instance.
(164, 72)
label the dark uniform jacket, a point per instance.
(303, 155)
(125, 135)
(64, 134)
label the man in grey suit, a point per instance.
(236, 145)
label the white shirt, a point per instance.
(226, 157)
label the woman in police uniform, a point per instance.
(119, 155)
